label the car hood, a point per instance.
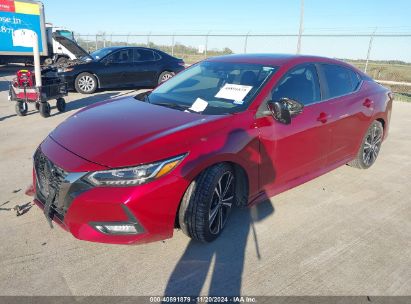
(126, 132)
(72, 46)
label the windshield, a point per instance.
(213, 87)
(97, 55)
(65, 33)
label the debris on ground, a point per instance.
(20, 209)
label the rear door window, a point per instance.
(143, 55)
(340, 80)
(122, 56)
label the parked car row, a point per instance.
(116, 67)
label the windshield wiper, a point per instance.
(175, 106)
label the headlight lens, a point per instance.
(135, 175)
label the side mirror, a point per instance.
(285, 109)
(108, 61)
(142, 96)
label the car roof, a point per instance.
(274, 59)
(128, 47)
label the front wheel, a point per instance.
(207, 203)
(86, 83)
(21, 108)
(370, 147)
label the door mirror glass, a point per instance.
(285, 109)
(108, 60)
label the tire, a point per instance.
(85, 83)
(166, 75)
(21, 108)
(37, 106)
(45, 109)
(61, 105)
(203, 212)
(370, 147)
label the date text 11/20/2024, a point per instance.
(203, 299)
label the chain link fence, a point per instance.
(361, 50)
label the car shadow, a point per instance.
(228, 250)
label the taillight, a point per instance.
(182, 63)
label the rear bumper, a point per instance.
(152, 207)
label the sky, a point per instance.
(253, 16)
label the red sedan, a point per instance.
(229, 131)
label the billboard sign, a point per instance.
(18, 21)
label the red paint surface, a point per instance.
(276, 157)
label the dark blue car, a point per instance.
(117, 67)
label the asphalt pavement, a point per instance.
(345, 233)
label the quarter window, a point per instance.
(340, 80)
(300, 84)
(143, 55)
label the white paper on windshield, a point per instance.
(199, 105)
(233, 91)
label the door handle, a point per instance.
(368, 103)
(323, 118)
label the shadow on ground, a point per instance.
(227, 252)
(4, 85)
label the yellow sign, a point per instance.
(27, 8)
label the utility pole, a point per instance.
(245, 43)
(300, 32)
(369, 50)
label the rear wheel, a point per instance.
(86, 83)
(166, 75)
(207, 203)
(21, 108)
(45, 109)
(370, 147)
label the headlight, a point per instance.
(135, 175)
(63, 70)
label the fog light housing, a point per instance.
(130, 226)
(117, 228)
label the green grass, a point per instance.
(402, 97)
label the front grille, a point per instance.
(49, 178)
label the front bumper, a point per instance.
(78, 209)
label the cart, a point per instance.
(23, 91)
